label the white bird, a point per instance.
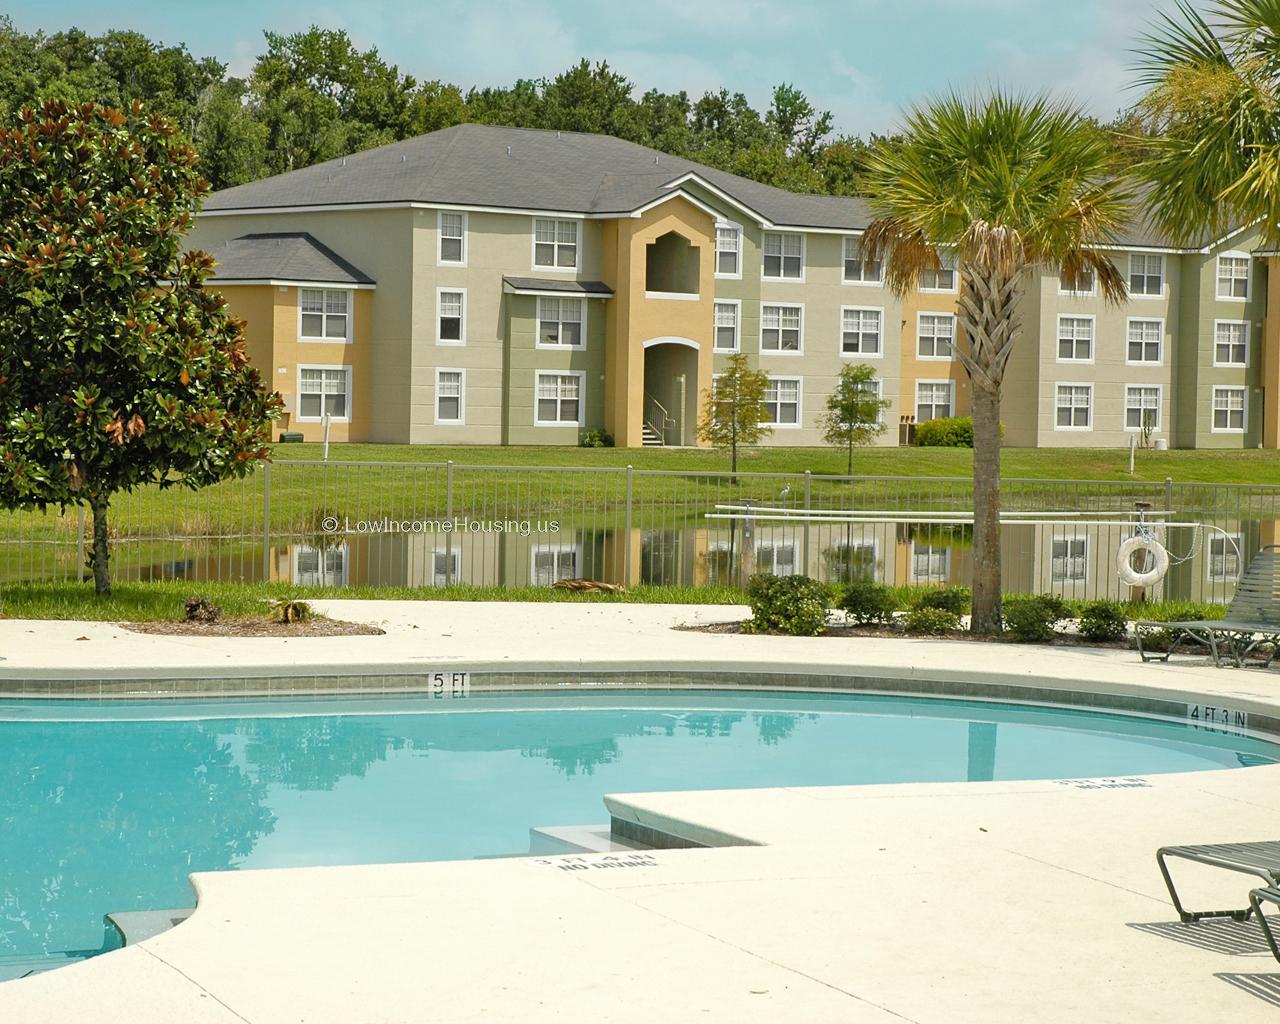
(786, 489)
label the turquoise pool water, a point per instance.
(110, 806)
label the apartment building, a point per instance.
(496, 285)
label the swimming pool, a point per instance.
(109, 806)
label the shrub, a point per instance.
(945, 432)
(1030, 620)
(867, 602)
(1103, 622)
(950, 599)
(1159, 640)
(932, 621)
(596, 438)
(796, 605)
(201, 609)
(290, 610)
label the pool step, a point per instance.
(551, 839)
(21, 965)
(136, 925)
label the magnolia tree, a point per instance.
(733, 410)
(854, 408)
(118, 369)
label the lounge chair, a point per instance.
(1261, 859)
(1270, 894)
(1252, 620)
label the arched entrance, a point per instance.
(670, 391)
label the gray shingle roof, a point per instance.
(285, 256)
(538, 284)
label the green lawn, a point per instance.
(1200, 466)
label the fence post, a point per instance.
(448, 534)
(1168, 494)
(80, 553)
(804, 546)
(266, 522)
(626, 550)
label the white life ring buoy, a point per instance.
(1124, 564)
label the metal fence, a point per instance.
(433, 524)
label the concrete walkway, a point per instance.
(982, 902)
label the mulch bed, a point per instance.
(257, 627)
(900, 633)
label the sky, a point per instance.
(864, 60)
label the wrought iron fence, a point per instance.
(432, 524)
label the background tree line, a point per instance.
(313, 95)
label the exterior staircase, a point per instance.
(650, 438)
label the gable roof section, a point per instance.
(284, 256)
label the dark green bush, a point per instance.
(787, 604)
(1103, 622)
(951, 599)
(1031, 620)
(932, 621)
(867, 602)
(597, 438)
(945, 432)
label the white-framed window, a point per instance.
(1228, 410)
(874, 386)
(1233, 276)
(1070, 560)
(858, 270)
(728, 250)
(324, 314)
(930, 563)
(1073, 407)
(783, 256)
(562, 323)
(1142, 407)
(558, 398)
(860, 331)
(1146, 275)
(1224, 558)
(1075, 339)
(555, 244)
(935, 399)
(451, 396)
(777, 557)
(781, 328)
(1085, 283)
(1144, 340)
(451, 316)
(453, 238)
(935, 333)
(942, 279)
(445, 565)
(1230, 343)
(551, 563)
(782, 402)
(727, 325)
(320, 567)
(324, 389)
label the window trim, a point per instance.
(951, 397)
(879, 353)
(582, 397)
(535, 266)
(339, 579)
(877, 283)
(1237, 550)
(799, 423)
(1247, 343)
(720, 224)
(1234, 254)
(461, 421)
(1244, 409)
(536, 549)
(787, 353)
(1093, 338)
(462, 327)
(955, 278)
(1066, 580)
(1072, 293)
(1144, 362)
(440, 260)
(1092, 396)
(804, 254)
(452, 554)
(297, 413)
(537, 324)
(1159, 424)
(737, 325)
(1164, 279)
(351, 316)
(952, 345)
(913, 577)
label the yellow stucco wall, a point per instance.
(1271, 358)
(916, 369)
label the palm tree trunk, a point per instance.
(986, 512)
(101, 549)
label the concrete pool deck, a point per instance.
(1003, 901)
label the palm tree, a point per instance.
(1007, 186)
(1213, 108)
